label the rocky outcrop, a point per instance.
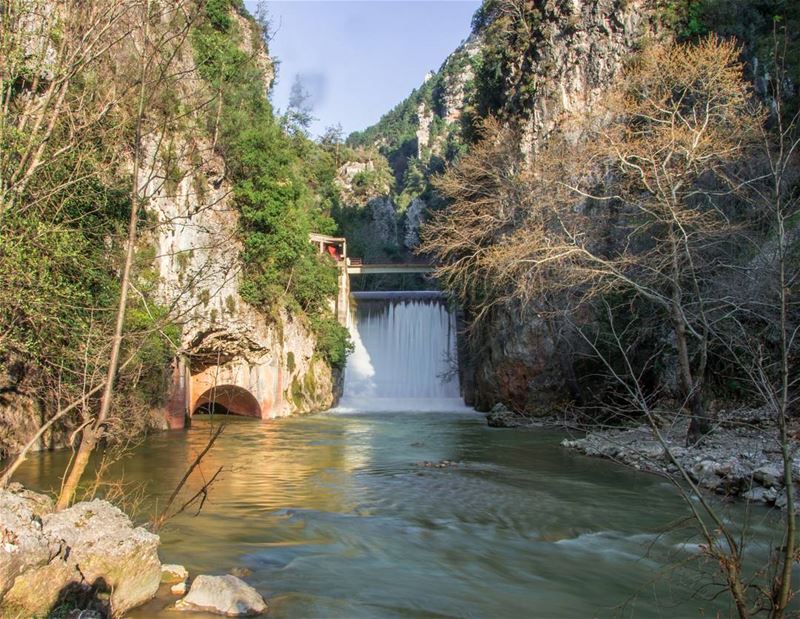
(424, 121)
(383, 218)
(458, 74)
(414, 216)
(738, 459)
(172, 573)
(501, 417)
(222, 595)
(517, 361)
(88, 552)
(579, 48)
(19, 406)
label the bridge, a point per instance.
(358, 268)
(336, 248)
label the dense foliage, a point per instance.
(283, 183)
(64, 206)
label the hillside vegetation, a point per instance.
(73, 129)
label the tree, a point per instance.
(92, 433)
(298, 113)
(333, 140)
(681, 116)
(643, 208)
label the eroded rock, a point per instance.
(501, 417)
(90, 551)
(222, 595)
(179, 589)
(769, 476)
(171, 573)
(23, 546)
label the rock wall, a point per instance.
(580, 47)
(196, 248)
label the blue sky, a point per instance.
(358, 59)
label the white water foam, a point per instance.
(404, 357)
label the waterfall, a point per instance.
(404, 355)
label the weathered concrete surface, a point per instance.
(223, 595)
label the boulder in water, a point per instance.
(223, 595)
(179, 588)
(90, 553)
(501, 417)
(171, 573)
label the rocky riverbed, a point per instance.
(740, 458)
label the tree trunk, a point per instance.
(691, 388)
(94, 431)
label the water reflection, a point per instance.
(335, 517)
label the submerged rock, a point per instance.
(240, 572)
(90, 552)
(756, 495)
(179, 589)
(222, 595)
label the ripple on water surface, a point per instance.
(338, 515)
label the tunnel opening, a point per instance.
(212, 408)
(227, 400)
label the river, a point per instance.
(352, 514)
(336, 515)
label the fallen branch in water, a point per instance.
(202, 492)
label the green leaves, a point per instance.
(283, 186)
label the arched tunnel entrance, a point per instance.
(227, 400)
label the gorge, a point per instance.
(527, 346)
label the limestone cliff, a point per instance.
(225, 342)
(536, 73)
(60, 296)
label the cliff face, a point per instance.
(227, 340)
(198, 247)
(537, 73)
(578, 49)
(410, 142)
(59, 295)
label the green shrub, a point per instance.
(333, 340)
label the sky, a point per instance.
(357, 59)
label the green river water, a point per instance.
(334, 516)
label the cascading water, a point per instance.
(404, 355)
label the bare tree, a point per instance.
(640, 206)
(680, 116)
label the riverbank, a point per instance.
(741, 458)
(90, 561)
